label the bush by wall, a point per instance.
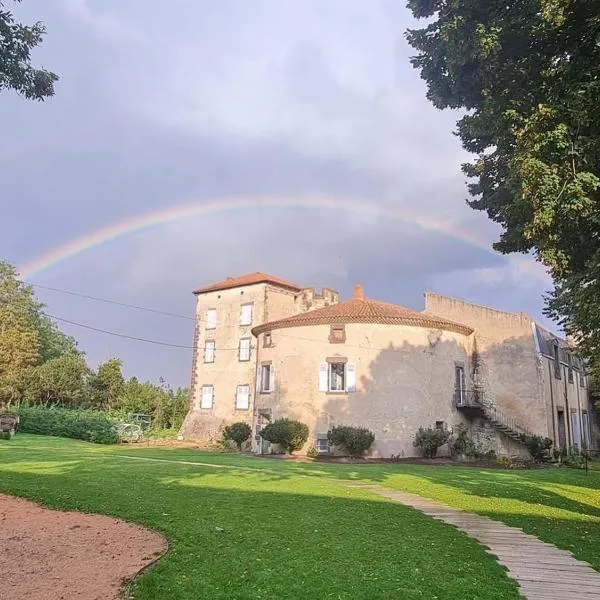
(89, 425)
(238, 433)
(354, 440)
(429, 440)
(290, 434)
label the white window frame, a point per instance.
(211, 318)
(244, 353)
(207, 400)
(266, 389)
(209, 351)
(240, 387)
(246, 314)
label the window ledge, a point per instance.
(265, 392)
(335, 393)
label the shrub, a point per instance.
(429, 440)
(238, 433)
(354, 440)
(538, 446)
(292, 435)
(312, 452)
(89, 425)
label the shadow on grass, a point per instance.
(253, 535)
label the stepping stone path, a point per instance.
(543, 571)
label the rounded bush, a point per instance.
(290, 434)
(429, 440)
(238, 433)
(354, 440)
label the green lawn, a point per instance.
(295, 530)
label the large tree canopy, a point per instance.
(16, 43)
(527, 76)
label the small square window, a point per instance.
(246, 315)
(265, 379)
(440, 425)
(207, 397)
(322, 445)
(244, 350)
(209, 351)
(267, 340)
(242, 397)
(337, 334)
(211, 318)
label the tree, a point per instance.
(527, 75)
(107, 383)
(16, 43)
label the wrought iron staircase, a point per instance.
(473, 402)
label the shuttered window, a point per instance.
(206, 399)
(246, 314)
(209, 351)
(211, 318)
(244, 349)
(337, 376)
(242, 397)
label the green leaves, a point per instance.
(16, 43)
(528, 72)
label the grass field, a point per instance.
(295, 530)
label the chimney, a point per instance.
(358, 292)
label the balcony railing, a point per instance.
(466, 398)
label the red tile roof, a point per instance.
(249, 279)
(359, 310)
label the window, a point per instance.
(211, 318)
(206, 400)
(570, 367)
(267, 340)
(440, 425)
(322, 444)
(586, 429)
(244, 349)
(337, 334)
(246, 314)
(460, 385)
(242, 397)
(556, 361)
(581, 378)
(266, 378)
(337, 375)
(575, 429)
(209, 351)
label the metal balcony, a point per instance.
(467, 398)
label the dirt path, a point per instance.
(52, 555)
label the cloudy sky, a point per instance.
(208, 101)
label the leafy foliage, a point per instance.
(538, 446)
(88, 425)
(290, 434)
(354, 440)
(429, 440)
(16, 43)
(238, 433)
(528, 76)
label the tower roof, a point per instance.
(361, 310)
(249, 279)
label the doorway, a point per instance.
(562, 429)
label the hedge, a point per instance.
(89, 425)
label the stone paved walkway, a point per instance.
(543, 571)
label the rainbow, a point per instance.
(161, 217)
